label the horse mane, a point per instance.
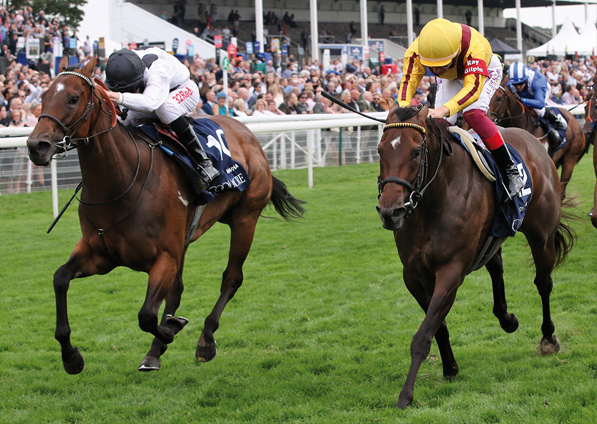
(406, 112)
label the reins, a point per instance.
(416, 192)
(69, 143)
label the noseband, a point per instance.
(69, 143)
(416, 192)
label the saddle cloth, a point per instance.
(562, 133)
(508, 215)
(232, 174)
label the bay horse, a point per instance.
(136, 208)
(506, 110)
(590, 130)
(440, 208)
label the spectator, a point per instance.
(239, 108)
(210, 103)
(302, 105)
(387, 100)
(273, 108)
(571, 96)
(261, 108)
(289, 106)
(375, 103)
(220, 107)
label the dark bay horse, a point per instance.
(137, 207)
(590, 130)
(440, 208)
(507, 111)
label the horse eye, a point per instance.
(416, 153)
(74, 100)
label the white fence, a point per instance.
(290, 142)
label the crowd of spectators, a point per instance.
(284, 89)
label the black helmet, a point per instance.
(124, 71)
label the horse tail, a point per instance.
(565, 236)
(288, 206)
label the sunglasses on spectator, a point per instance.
(303, 97)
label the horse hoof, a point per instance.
(177, 323)
(206, 353)
(150, 363)
(548, 347)
(73, 363)
(510, 325)
(403, 401)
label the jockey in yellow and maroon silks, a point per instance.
(468, 74)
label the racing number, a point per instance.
(218, 144)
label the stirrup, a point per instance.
(207, 171)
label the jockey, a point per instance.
(468, 75)
(534, 90)
(154, 84)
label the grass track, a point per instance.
(318, 333)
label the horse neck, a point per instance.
(108, 162)
(518, 116)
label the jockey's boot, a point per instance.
(553, 139)
(188, 138)
(555, 119)
(508, 169)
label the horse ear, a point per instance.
(422, 115)
(63, 63)
(88, 68)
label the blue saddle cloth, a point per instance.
(232, 174)
(562, 133)
(508, 215)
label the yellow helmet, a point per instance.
(439, 42)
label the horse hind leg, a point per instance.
(242, 232)
(509, 322)
(151, 361)
(544, 257)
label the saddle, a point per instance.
(211, 136)
(508, 215)
(545, 123)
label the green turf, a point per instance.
(319, 332)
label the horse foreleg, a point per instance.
(241, 238)
(442, 300)
(495, 267)
(161, 279)
(442, 336)
(151, 361)
(82, 263)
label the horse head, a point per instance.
(402, 164)
(500, 102)
(67, 106)
(590, 116)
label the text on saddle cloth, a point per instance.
(509, 215)
(233, 175)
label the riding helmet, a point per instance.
(439, 42)
(124, 71)
(517, 73)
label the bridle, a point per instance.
(591, 102)
(504, 104)
(69, 143)
(416, 188)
